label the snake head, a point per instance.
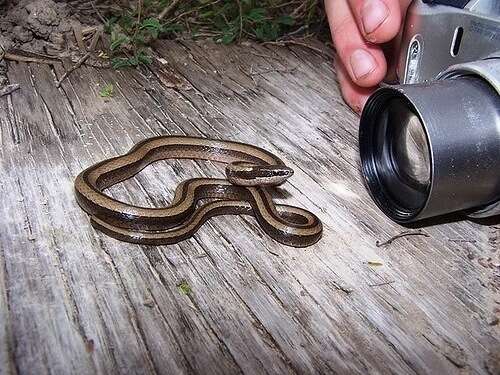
(248, 174)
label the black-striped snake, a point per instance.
(250, 171)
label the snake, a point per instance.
(251, 175)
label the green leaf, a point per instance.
(107, 91)
(256, 15)
(151, 23)
(267, 31)
(120, 62)
(184, 288)
(143, 58)
(173, 28)
(140, 58)
(110, 24)
(228, 38)
(118, 40)
(286, 20)
(208, 14)
(152, 26)
(127, 22)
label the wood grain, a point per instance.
(75, 301)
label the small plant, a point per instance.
(140, 57)
(107, 91)
(132, 29)
(184, 288)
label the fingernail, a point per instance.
(362, 63)
(373, 13)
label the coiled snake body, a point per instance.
(250, 172)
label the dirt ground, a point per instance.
(41, 26)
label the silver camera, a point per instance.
(430, 146)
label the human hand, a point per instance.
(358, 28)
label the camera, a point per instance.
(430, 145)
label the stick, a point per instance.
(77, 31)
(98, 13)
(93, 43)
(400, 235)
(19, 58)
(76, 66)
(241, 19)
(9, 89)
(95, 39)
(381, 284)
(165, 12)
(138, 23)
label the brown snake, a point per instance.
(250, 172)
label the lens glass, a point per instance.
(402, 157)
(410, 150)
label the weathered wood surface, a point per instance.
(76, 301)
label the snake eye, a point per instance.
(282, 171)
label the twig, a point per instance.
(76, 66)
(93, 43)
(400, 235)
(98, 13)
(295, 32)
(77, 31)
(9, 89)
(342, 288)
(241, 19)
(165, 12)
(298, 9)
(205, 35)
(381, 284)
(89, 32)
(273, 253)
(277, 6)
(192, 11)
(19, 58)
(138, 24)
(95, 39)
(32, 54)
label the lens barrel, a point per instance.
(432, 149)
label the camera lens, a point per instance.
(432, 149)
(403, 161)
(398, 163)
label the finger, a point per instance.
(392, 49)
(354, 95)
(364, 62)
(378, 20)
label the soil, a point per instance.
(40, 26)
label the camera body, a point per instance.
(430, 146)
(437, 36)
